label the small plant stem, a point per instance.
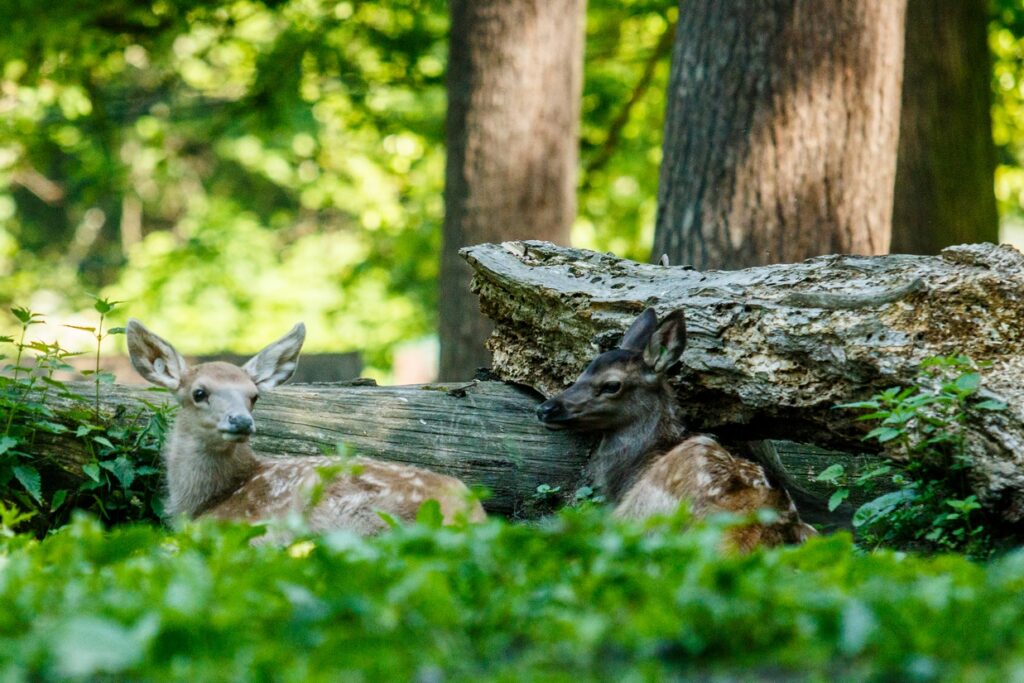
(96, 376)
(17, 367)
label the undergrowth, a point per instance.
(928, 502)
(579, 595)
(59, 449)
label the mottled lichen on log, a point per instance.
(773, 349)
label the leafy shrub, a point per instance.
(922, 428)
(578, 596)
(118, 477)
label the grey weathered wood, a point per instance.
(773, 349)
(802, 463)
(485, 433)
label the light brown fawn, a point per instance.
(213, 471)
(645, 463)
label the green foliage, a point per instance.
(922, 428)
(119, 457)
(1006, 43)
(578, 596)
(232, 167)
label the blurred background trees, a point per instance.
(946, 155)
(781, 131)
(256, 162)
(515, 68)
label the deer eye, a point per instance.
(610, 388)
(200, 395)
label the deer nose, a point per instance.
(241, 424)
(549, 410)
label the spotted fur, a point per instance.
(645, 462)
(213, 471)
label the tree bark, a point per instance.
(946, 161)
(514, 82)
(781, 131)
(773, 349)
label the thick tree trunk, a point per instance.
(773, 349)
(781, 131)
(514, 81)
(946, 161)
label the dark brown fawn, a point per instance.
(213, 471)
(645, 462)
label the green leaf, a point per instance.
(968, 383)
(87, 645)
(873, 510)
(388, 519)
(83, 328)
(991, 404)
(7, 443)
(429, 514)
(831, 473)
(52, 427)
(121, 468)
(58, 499)
(23, 315)
(29, 477)
(837, 498)
(859, 404)
(92, 470)
(116, 330)
(873, 473)
(104, 441)
(883, 434)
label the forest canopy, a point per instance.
(229, 168)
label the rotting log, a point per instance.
(484, 433)
(773, 349)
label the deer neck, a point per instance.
(622, 454)
(202, 470)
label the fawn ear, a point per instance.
(153, 357)
(276, 364)
(639, 333)
(667, 343)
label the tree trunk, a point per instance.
(781, 131)
(773, 349)
(514, 81)
(944, 172)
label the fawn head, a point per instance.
(216, 398)
(624, 384)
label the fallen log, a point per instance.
(485, 433)
(773, 349)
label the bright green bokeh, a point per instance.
(231, 167)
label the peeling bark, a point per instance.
(772, 349)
